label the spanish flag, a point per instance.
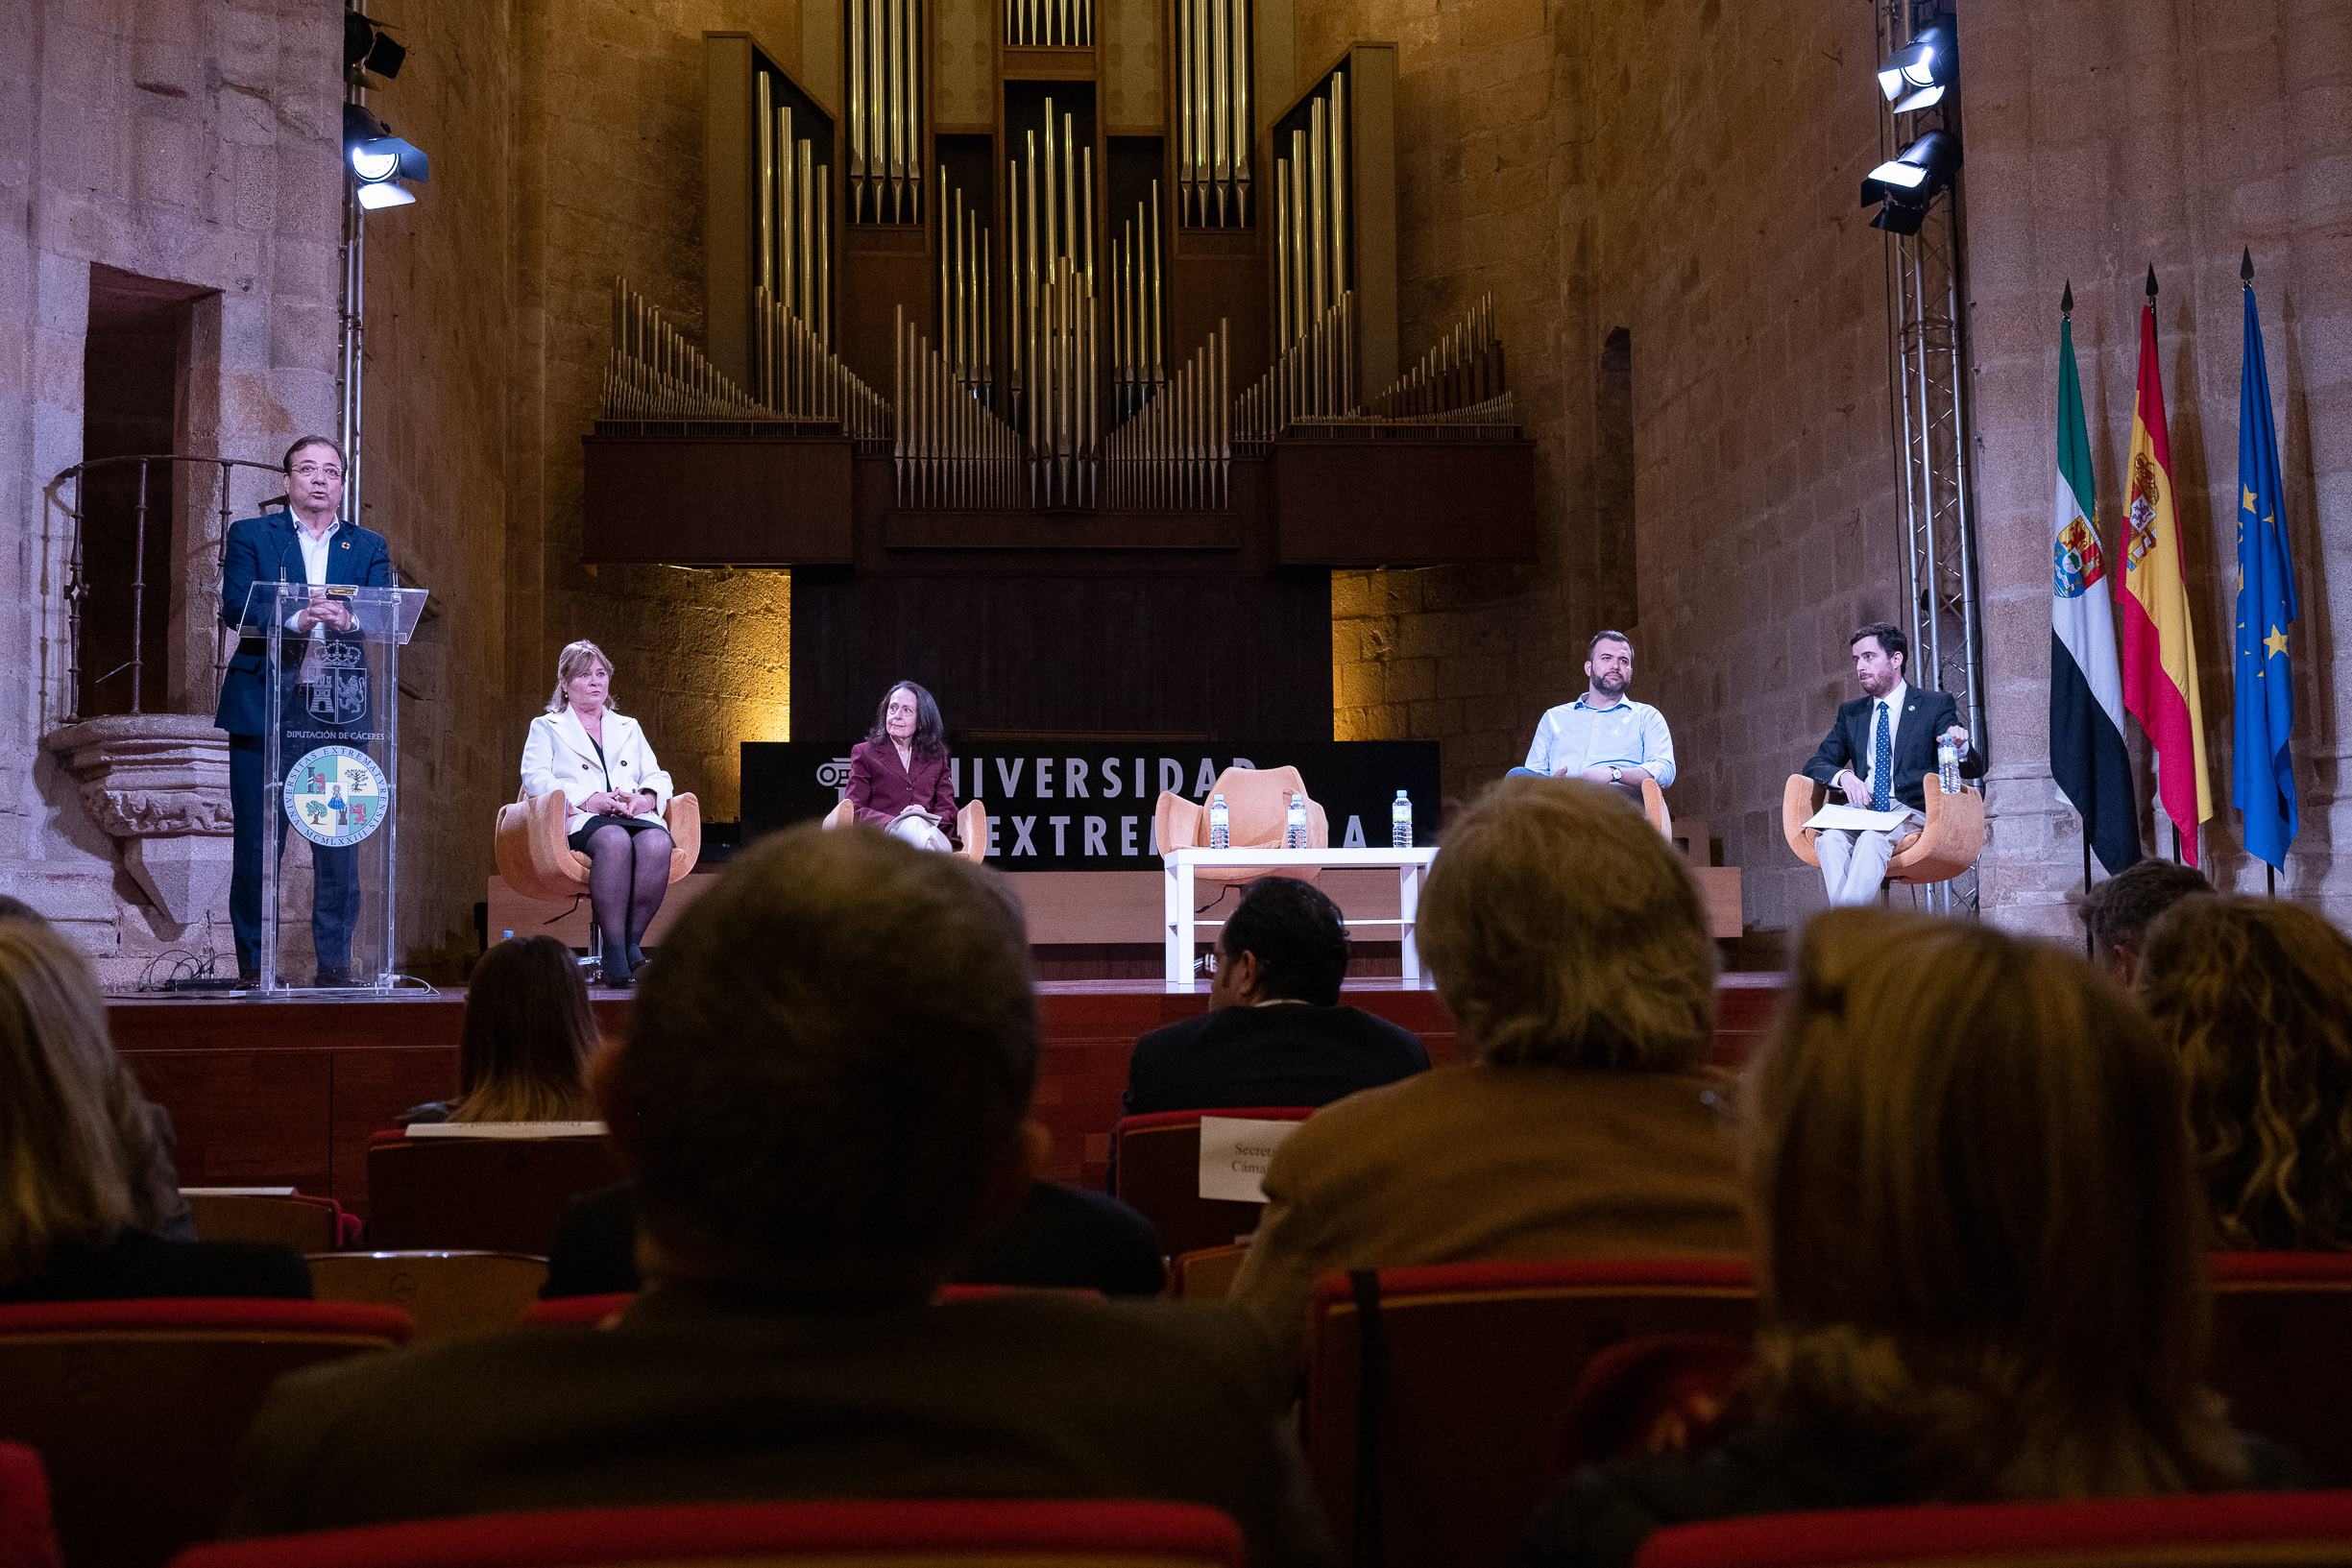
(2159, 658)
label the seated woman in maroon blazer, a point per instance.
(900, 777)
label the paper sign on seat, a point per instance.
(1234, 1153)
(506, 1130)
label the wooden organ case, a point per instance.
(1055, 350)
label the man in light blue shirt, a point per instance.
(1604, 736)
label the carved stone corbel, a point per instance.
(159, 784)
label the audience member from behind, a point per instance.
(528, 1033)
(2255, 999)
(2117, 913)
(1274, 1033)
(1980, 1247)
(823, 1098)
(1569, 944)
(86, 1188)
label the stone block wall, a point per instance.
(2176, 137)
(193, 143)
(1686, 173)
(437, 461)
(611, 181)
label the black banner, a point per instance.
(1057, 804)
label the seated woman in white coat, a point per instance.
(614, 793)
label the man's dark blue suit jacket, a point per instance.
(1926, 714)
(1290, 1054)
(258, 549)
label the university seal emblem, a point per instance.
(336, 795)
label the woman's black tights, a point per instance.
(627, 874)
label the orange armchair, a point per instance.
(536, 862)
(1654, 807)
(1257, 817)
(1940, 851)
(971, 826)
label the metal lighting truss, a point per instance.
(1928, 363)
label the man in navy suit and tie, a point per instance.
(1878, 755)
(308, 544)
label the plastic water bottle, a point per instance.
(1400, 822)
(1295, 835)
(1220, 826)
(1948, 765)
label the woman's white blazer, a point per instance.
(558, 755)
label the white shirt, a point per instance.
(314, 567)
(1577, 735)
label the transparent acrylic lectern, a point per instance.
(330, 771)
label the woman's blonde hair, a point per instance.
(571, 662)
(1563, 931)
(2255, 999)
(79, 1160)
(528, 1033)
(1981, 1239)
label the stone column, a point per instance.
(2102, 138)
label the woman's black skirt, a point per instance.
(633, 825)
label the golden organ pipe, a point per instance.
(856, 106)
(1339, 185)
(1152, 317)
(1221, 157)
(824, 256)
(1282, 254)
(763, 89)
(1316, 135)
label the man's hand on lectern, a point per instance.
(324, 612)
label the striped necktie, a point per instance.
(1881, 760)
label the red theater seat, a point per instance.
(865, 1534)
(486, 1194)
(1157, 1158)
(1432, 1433)
(592, 1310)
(305, 1224)
(587, 1310)
(137, 1406)
(2283, 1352)
(28, 1535)
(2266, 1527)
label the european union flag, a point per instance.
(2262, 780)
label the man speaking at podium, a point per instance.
(1878, 754)
(308, 545)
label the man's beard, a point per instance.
(1612, 685)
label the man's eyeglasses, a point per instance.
(312, 471)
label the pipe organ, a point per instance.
(1050, 24)
(965, 296)
(1072, 318)
(1055, 346)
(655, 377)
(1213, 113)
(885, 82)
(1136, 358)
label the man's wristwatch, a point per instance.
(1616, 775)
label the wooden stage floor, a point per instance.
(285, 1093)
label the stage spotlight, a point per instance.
(1918, 74)
(376, 195)
(1904, 186)
(380, 159)
(368, 47)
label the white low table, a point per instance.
(1182, 923)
